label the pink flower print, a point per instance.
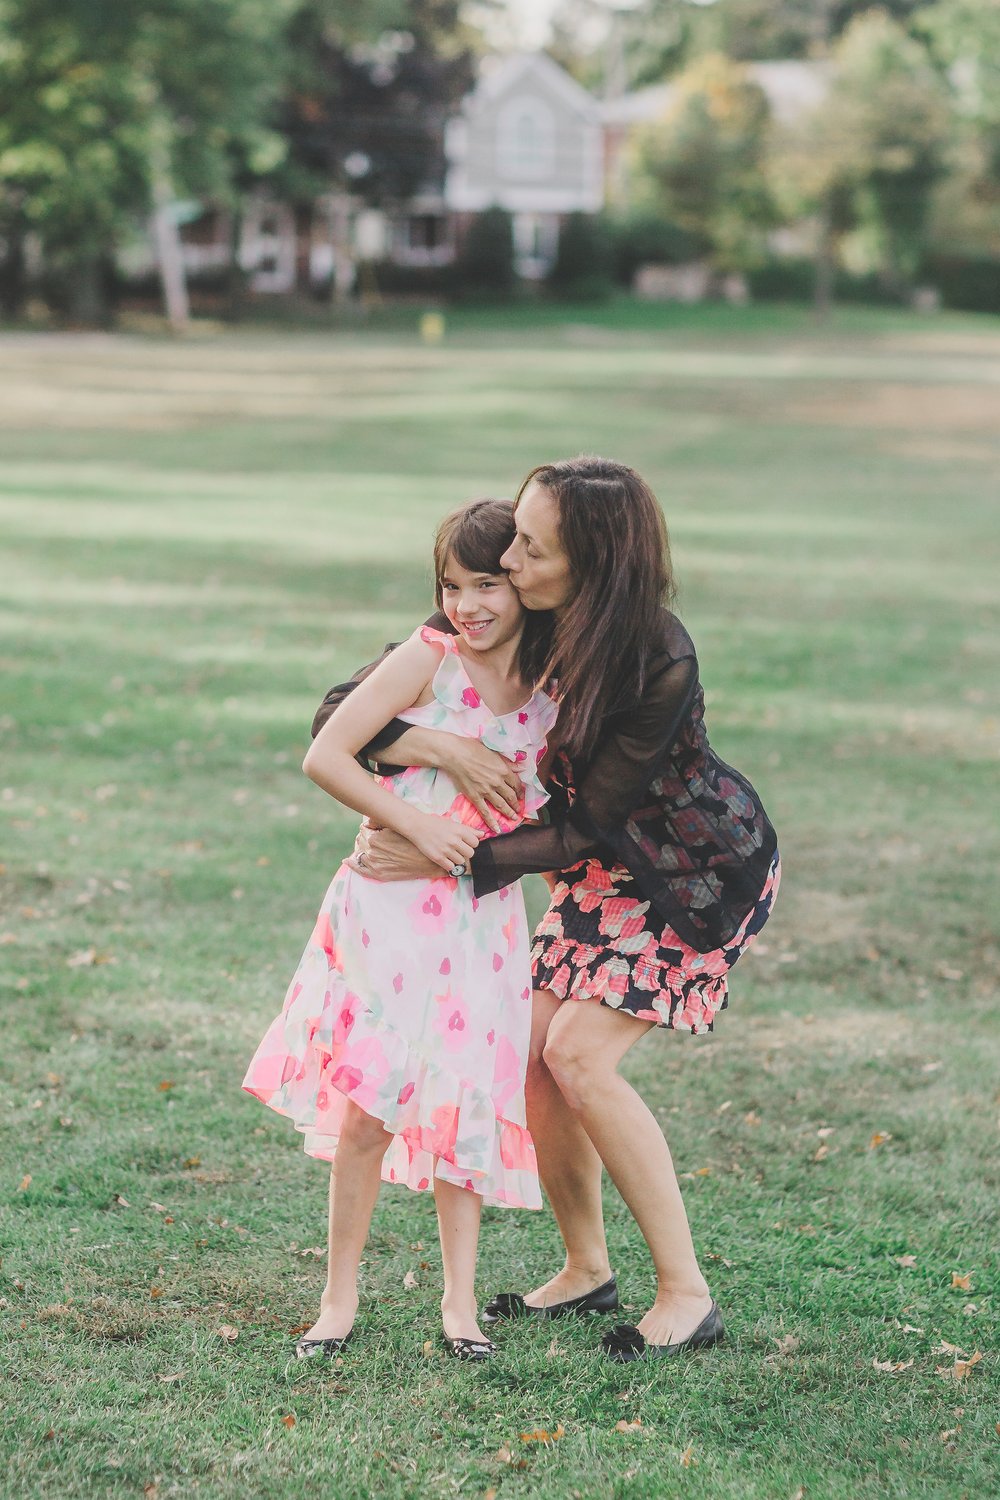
(526, 993)
(323, 938)
(508, 1079)
(517, 1151)
(497, 963)
(491, 1037)
(397, 983)
(451, 1022)
(322, 1101)
(365, 939)
(433, 908)
(509, 930)
(439, 1137)
(344, 1026)
(445, 966)
(560, 980)
(456, 1021)
(522, 717)
(406, 1093)
(519, 756)
(423, 1184)
(619, 910)
(471, 698)
(347, 1079)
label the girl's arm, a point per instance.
(395, 685)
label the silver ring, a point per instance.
(457, 870)
(360, 857)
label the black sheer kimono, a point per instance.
(653, 796)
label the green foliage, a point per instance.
(969, 283)
(703, 164)
(97, 94)
(642, 239)
(582, 269)
(485, 266)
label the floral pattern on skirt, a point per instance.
(597, 941)
(413, 997)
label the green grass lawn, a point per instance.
(197, 538)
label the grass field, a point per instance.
(197, 538)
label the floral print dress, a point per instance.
(413, 998)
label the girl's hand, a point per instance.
(384, 855)
(487, 778)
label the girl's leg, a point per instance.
(569, 1167)
(586, 1042)
(458, 1212)
(354, 1185)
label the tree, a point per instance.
(110, 103)
(702, 165)
(964, 36)
(868, 158)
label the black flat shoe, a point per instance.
(472, 1349)
(624, 1342)
(326, 1348)
(603, 1299)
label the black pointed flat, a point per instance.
(603, 1299)
(624, 1342)
(325, 1348)
(475, 1350)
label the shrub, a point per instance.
(485, 266)
(583, 264)
(966, 283)
(650, 240)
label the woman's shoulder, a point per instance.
(669, 642)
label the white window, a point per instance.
(526, 140)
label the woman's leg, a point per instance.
(586, 1042)
(458, 1212)
(354, 1185)
(569, 1167)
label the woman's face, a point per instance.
(535, 562)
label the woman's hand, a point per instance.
(381, 854)
(486, 777)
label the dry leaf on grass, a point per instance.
(879, 1139)
(787, 1344)
(889, 1367)
(288, 1421)
(543, 1435)
(687, 1457)
(960, 1369)
(169, 1379)
(410, 1281)
(624, 1426)
(820, 1153)
(168, 1083)
(961, 1283)
(906, 1261)
(228, 1332)
(25, 1183)
(503, 1455)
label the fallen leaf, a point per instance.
(156, 1291)
(624, 1426)
(787, 1344)
(887, 1366)
(906, 1261)
(428, 1349)
(169, 1379)
(931, 1067)
(193, 1161)
(947, 1433)
(961, 1283)
(542, 1435)
(687, 1457)
(963, 1366)
(911, 1328)
(503, 1455)
(702, 1172)
(726, 1104)
(83, 959)
(879, 1139)
(825, 1131)
(168, 1083)
(122, 1202)
(945, 1348)
(159, 1208)
(751, 1118)
(151, 1491)
(288, 1421)
(410, 1281)
(25, 1183)
(228, 1333)
(820, 1153)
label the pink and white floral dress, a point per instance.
(413, 998)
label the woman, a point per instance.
(666, 867)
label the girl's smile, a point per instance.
(483, 607)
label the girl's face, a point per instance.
(538, 567)
(483, 607)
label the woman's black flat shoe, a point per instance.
(471, 1349)
(603, 1299)
(625, 1343)
(326, 1348)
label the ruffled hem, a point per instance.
(442, 1125)
(650, 990)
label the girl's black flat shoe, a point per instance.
(471, 1349)
(603, 1299)
(325, 1348)
(624, 1342)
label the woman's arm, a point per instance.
(397, 683)
(613, 786)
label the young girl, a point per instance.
(402, 1046)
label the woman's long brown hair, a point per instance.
(613, 532)
(477, 535)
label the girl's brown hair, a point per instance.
(476, 536)
(614, 535)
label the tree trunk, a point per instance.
(166, 238)
(825, 265)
